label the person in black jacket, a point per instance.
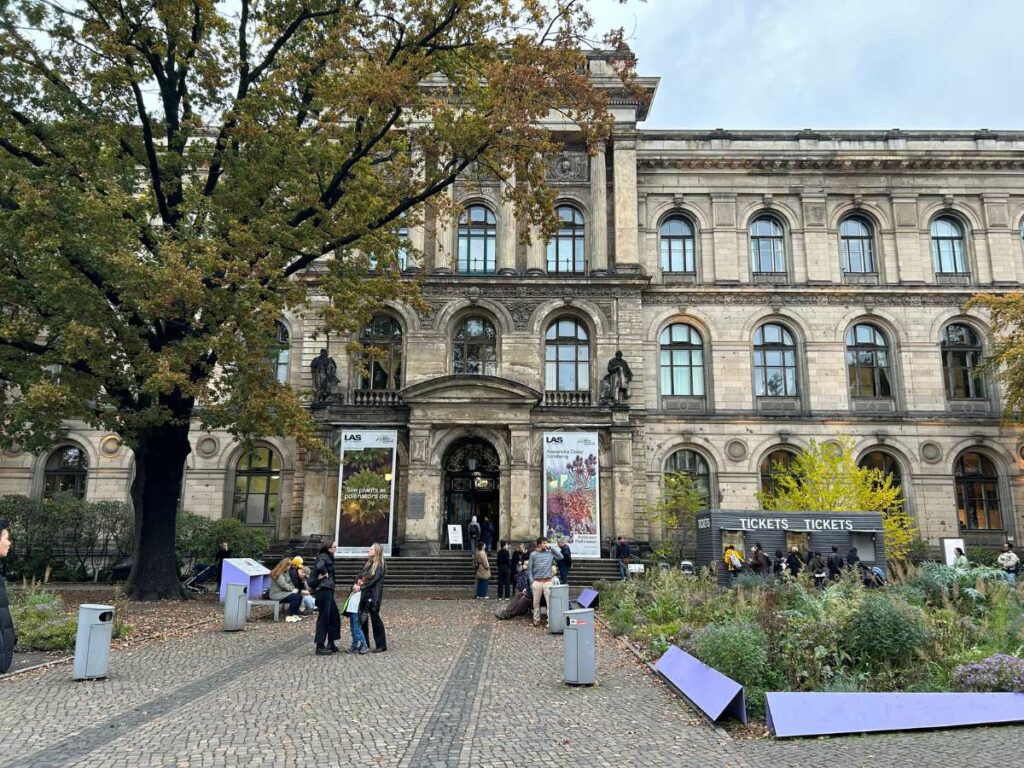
(519, 556)
(8, 637)
(504, 570)
(373, 573)
(222, 554)
(835, 564)
(566, 562)
(328, 620)
(794, 562)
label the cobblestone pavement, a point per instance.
(456, 688)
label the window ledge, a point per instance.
(767, 404)
(873, 405)
(687, 404)
(953, 279)
(770, 278)
(679, 278)
(973, 405)
(860, 278)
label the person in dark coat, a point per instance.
(794, 562)
(835, 564)
(566, 562)
(373, 573)
(504, 570)
(487, 534)
(222, 554)
(779, 565)
(8, 637)
(852, 558)
(328, 620)
(519, 556)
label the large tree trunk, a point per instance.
(160, 455)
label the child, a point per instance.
(352, 609)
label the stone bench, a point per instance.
(274, 605)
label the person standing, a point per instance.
(540, 569)
(733, 559)
(565, 563)
(852, 558)
(519, 556)
(473, 529)
(8, 637)
(504, 570)
(819, 568)
(487, 534)
(328, 620)
(622, 555)
(222, 554)
(780, 563)
(960, 559)
(483, 571)
(835, 564)
(373, 573)
(759, 561)
(794, 563)
(1008, 562)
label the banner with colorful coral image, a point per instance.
(366, 491)
(572, 501)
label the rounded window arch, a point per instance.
(774, 462)
(887, 464)
(478, 232)
(381, 366)
(66, 471)
(977, 492)
(949, 252)
(281, 352)
(696, 466)
(767, 246)
(257, 495)
(566, 356)
(961, 363)
(567, 249)
(868, 362)
(856, 246)
(775, 363)
(475, 347)
(678, 245)
(681, 361)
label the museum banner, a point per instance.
(572, 499)
(366, 491)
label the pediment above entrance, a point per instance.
(470, 390)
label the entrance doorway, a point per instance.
(471, 478)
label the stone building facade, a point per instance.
(766, 288)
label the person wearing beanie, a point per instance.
(298, 576)
(8, 637)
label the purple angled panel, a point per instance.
(709, 690)
(587, 598)
(820, 714)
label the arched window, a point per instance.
(477, 240)
(856, 251)
(767, 247)
(779, 459)
(677, 246)
(280, 353)
(257, 487)
(693, 464)
(948, 252)
(867, 362)
(474, 348)
(961, 363)
(682, 361)
(567, 249)
(977, 492)
(382, 363)
(886, 464)
(566, 357)
(774, 362)
(66, 471)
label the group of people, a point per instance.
(304, 592)
(535, 573)
(481, 533)
(822, 568)
(510, 565)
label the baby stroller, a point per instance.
(196, 581)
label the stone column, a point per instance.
(730, 261)
(622, 474)
(821, 265)
(627, 257)
(444, 239)
(506, 256)
(520, 523)
(422, 534)
(914, 262)
(1003, 266)
(536, 253)
(599, 211)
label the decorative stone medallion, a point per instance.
(110, 446)
(736, 450)
(931, 452)
(207, 446)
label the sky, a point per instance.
(778, 64)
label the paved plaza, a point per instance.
(457, 688)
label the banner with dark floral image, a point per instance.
(572, 502)
(366, 496)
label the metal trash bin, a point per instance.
(92, 641)
(557, 606)
(236, 607)
(578, 639)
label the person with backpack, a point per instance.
(733, 560)
(473, 529)
(760, 563)
(835, 564)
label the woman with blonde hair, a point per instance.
(372, 576)
(283, 591)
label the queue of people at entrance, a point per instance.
(535, 573)
(510, 563)
(822, 568)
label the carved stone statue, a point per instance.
(325, 376)
(615, 385)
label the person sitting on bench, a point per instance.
(283, 591)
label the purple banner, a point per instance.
(705, 687)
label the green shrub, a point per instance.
(739, 649)
(885, 632)
(243, 540)
(191, 536)
(982, 556)
(42, 622)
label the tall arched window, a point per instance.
(567, 249)
(566, 357)
(681, 361)
(677, 246)
(948, 251)
(767, 246)
(961, 363)
(66, 471)
(280, 353)
(257, 487)
(855, 246)
(477, 240)
(779, 459)
(693, 464)
(977, 492)
(867, 362)
(886, 464)
(474, 347)
(775, 372)
(382, 363)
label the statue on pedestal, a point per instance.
(325, 376)
(615, 384)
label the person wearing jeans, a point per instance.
(540, 566)
(622, 555)
(483, 571)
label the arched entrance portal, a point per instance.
(471, 479)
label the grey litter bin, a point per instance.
(557, 607)
(236, 606)
(579, 647)
(92, 641)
